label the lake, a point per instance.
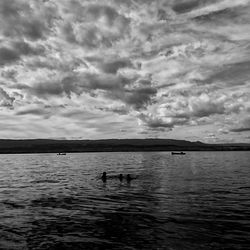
(200, 200)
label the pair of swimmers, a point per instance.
(120, 177)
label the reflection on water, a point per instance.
(196, 201)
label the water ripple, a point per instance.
(200, 201)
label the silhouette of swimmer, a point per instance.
(104, 176)
(120, 177)
(130, 178)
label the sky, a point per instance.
(87, 69)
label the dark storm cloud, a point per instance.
(120, 88)
(76, 84)
(140, 97)
(11, 9)
(182, 6)
(240, 129)
(233, 74)
(216, 16)
(68, 32)
(25, 49)
(114, 65)
(33, 111)
(33, 30)
(15, 50)
(106, 82)
(238, 14)
(46, 89)
(115, 87)
(20, 19)
(8, 56)
(243, 127)
(43, 89)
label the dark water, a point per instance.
(197, 201)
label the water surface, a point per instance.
(195, 201)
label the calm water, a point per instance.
(197, 201)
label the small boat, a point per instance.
(178, 153)
(61, 154)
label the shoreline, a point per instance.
(123, 151)
(34, 146)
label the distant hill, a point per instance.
(110, 145)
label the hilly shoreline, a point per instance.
(8, 146)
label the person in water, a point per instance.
(120, 177)
(104, 176)
(129, 178)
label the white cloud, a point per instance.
(170, 64)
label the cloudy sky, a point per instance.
(86, 69)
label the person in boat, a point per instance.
(104, 176)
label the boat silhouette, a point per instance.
(178, 153)
(61, 154)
